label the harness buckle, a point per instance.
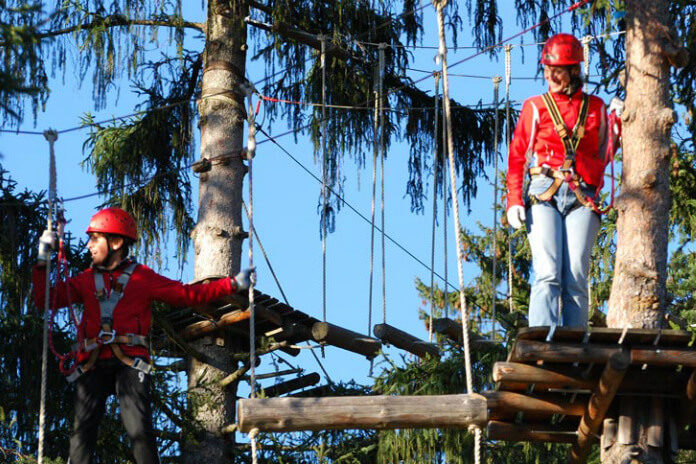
(111, 335)
(131, 339)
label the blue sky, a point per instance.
(285, 200)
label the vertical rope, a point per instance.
(436, 163)
(382, 47)
(445, 193)
(508, 136)
(51, 136)
(440, 4)
(494, 243)
(324, 175)
(375, 152)
(251, 151)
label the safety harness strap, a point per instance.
(570, 141)
(108, 302)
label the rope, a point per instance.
(508, 136)
(494, 242)
(251, 151)
(445, 193)
(51, 136)
(375, 152)
(432, 242)
(383, 155)
(442, 55)
(324, 193)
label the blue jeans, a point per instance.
(561, 236)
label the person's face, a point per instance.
(98, 247)
(558, 77)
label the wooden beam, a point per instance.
(518, 377)
(531, 351)
(207, 327)
(453, 330)
(322, 390)
(503, 404)
(291, 385)
(598, 405)
(362, 412)
(546, 433)
(405, 341)
(334, 335)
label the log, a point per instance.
(291, 385)
(362, 412)
(546, 433)
(518, 377)
(294, 333)
(532, 351)
(324, 332)
(202, 328)
(453, 330)
(598, 405)
(503, 404)
(271, 375)
(322, 390)
(405, 341)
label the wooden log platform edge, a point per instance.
(362, 412)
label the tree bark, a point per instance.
(218, 235)
(639, 286)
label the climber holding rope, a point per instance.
(564, 141)
(113, 353)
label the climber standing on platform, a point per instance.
(113, 354)
(561, 141)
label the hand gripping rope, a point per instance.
(439, 5)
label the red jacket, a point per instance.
(536, 143)
(133, 312)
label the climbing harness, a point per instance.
(108, 301)
(442, 56)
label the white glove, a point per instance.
(47, 242)
(616, 105)
(516, 216)
(243, 279)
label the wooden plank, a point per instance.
(518, 377)
(569, 353)
(502, 404)
(334, 335)
(405, 341)
(291, 385)
(453, 330)
(362, 412)
(546, 433)
(202, 328)
(598, 405)
(604, 335)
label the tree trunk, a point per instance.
(218, 234)
(638, 290)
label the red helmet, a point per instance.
(562, 50)
(113, 221)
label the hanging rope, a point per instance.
(442, 55)
(445, 194)
(251, 152)
(324, 175)
(586, 55)
(51, 136)
(432, 244)
(508, 136)
(494, 242)
(382, 147)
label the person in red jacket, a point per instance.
(560, 141)
(113, 356)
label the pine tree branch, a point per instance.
(121, 21)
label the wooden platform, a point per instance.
(559, 387)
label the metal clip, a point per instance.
(111, 335)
